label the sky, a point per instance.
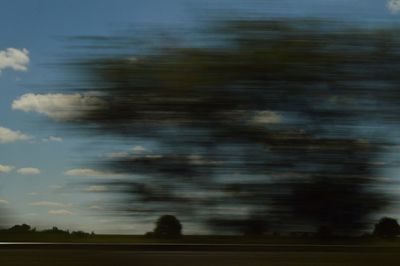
(38, 160)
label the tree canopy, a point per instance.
(256, 123)
(168, 226)
(387, 227)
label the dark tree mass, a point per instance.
(253, 125)
(168, 226)
(387, 227)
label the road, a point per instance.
(194, 255)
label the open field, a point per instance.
(197, 250)
(198, 239)
(93, 256)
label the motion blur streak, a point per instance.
(254, 125)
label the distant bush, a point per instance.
(23, 228)
(168, 226)
(387, 228)
(149, 234)
(27, 229)
(55, 230)
(80, 234)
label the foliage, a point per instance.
(272, 121)
(55, 230)
(25, 229)
(168, 226)
(387, 227)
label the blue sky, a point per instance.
(38, 161)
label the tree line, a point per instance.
(169, 227)
(25, 229)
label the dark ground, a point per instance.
(208, 256)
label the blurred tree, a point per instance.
(387, 227)
(80, 234)
(267, 121)
(168, 226)
(56, 230)
(23, 228)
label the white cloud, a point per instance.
(7, 135)
(52, 139)
(3, 202)
(96, 188)
(393, 6)
(15, 59)
(60, 212)
(89, 172)
(5, 168)
(58, 106)
(50, 203)
(28, 171)
(139, 149)
(266, 117)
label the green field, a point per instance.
(101, 257)
(197, 239)
(280, 251)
